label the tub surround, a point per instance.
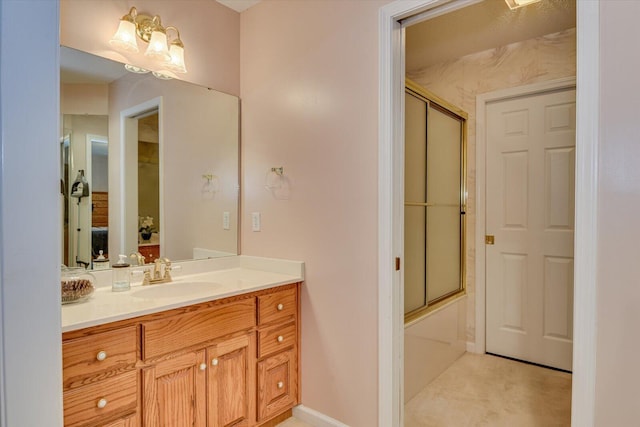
(226, 276)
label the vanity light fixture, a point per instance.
(515, 4)
(134, 25)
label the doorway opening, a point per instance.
(392, 73)
(459, 56)
(142, 180)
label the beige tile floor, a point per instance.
(484, 390)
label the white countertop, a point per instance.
(204, 280)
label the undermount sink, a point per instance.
(174, 289)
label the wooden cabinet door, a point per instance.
(174, 392)
(277, 384)
(231, 382)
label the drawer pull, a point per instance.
(203, 366)
(280, 384)
(280, 338)
(280, 307)
(102, 403)
(101, 355)
(214, 362)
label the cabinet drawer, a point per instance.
(276, 338)
(111, 350)
(277, 384)
(101, 402)
(188, 329)
(277, 306)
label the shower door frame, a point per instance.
(434, 101)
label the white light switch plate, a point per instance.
(226, 220)
(255, 221)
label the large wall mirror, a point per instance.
(147, 165)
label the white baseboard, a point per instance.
(315, 418)
(471, 347)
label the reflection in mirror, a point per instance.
(169, 184)
(148, 184)
(84, 184)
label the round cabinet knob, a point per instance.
(280, 307)
(280, 384)
(203, 366)
(101, 355)
(214, 362)
(102, 403)
(280, 338)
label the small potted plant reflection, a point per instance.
(145, 227)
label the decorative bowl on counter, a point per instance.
(76, 284)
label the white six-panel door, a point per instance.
(530, 213)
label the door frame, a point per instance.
(390, 221)
(479, 346)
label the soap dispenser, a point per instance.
(101, 262)
(121, 277)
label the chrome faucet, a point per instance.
(161, 272)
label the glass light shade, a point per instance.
(135, 69)
(158, 46)
(176, 63)
(125, 36)
(161, 76)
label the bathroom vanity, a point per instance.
(214, 348)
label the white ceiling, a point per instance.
(238, 5)
(483, 26)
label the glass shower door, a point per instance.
(434, 203)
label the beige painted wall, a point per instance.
(618, 293)
(84, 99)
(460, 81)
(309, 85)
(210, 33)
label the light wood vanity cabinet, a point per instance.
(231, 362)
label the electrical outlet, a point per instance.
(226, 219)
(255, 221)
